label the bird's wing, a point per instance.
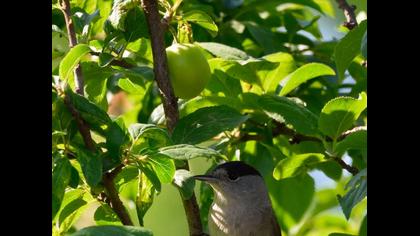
(276, 227)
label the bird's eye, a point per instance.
(233, 177)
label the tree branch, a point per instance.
(353, 170)
(115, 201)
(84, 129)
(351, 21)
(65, 8)
(160, 64)
(170, 105)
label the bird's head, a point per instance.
(234, 180)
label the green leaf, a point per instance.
(105, 59)
(60, 179)
(185, 183)
(144, 199)
(224, 51)
(202, 19)
(296, 165)
(363, 227)
(341, 234)
(91, 164)
(117, 138)
(163, 166)
(348, 48)
(291, 198)
(206, 123)
(221, 82)
(331, 169)
(104, 215)
(120, 10)
(127, 85)
(96, 79)
(71, 60)
(91, 113)
(356, 140)
(363, 47)
(149, 131)
(126, 175)
(339, 114)
(135, 24)
(282, 108)
(273, 78)
(303, 74)
(188, 152)
(71, 211)
(74, 178)
(113, 230)
(148, 171)
(357, 193)
(266, 38)
(234, 69)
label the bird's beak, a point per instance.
(205, 178)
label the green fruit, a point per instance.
(189, 71)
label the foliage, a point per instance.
(280, 97)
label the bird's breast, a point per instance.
(230, 221)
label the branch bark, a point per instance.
(160, 67)
(348, 10)
(84, 129)
(160, 64)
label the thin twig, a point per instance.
(170, 105)
(65, 8)
(351, 21)
(353, 170)
(107, 178)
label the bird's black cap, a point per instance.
(237, 169)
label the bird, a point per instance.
(241, 205)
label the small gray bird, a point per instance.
(241, 205)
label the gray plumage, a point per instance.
(241, 205)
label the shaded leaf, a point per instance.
(303, 74)
(113, 230)
(364, 45)
(206, 123)
(284, 109)
(348, 48)
(104, 215)
(90, 112)
(331, 169)
(296, 165)
(339, 114)
(117, 138)
(357, 193)
(74, 178)
(91, 164)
